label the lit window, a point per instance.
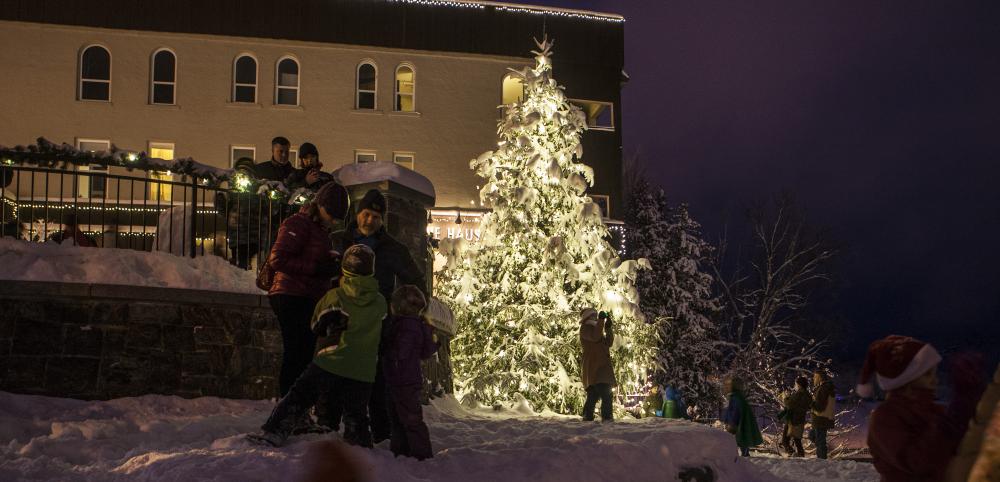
(94, 185)
(405, 89)
(366, 86)
(287, 82)
(600, 115)
(361, 155)
(164, 78)
(404, 159)
(513, 90)
(159, 191)
(245, 80)
(293, 156)
(95, 74)
(239, 152)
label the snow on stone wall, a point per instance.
(21, 260)
(367, 172)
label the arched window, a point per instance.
(286, 82)
(95, 74)
(245, 79)
(367, 86)
(164, 79)
(513, 90)
(406, 83)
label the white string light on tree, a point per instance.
(543, 256)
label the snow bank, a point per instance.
(816, 470)
(21, 260)
(366, 172)
(168, 438)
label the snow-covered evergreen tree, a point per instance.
(542, 258)
(677, 294)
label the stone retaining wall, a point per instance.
(107, 341)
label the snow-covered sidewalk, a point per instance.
(168, 438)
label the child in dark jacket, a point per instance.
(408, 340)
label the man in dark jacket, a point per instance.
(310, 175)
(822, 411)
(394, 266)
(278, 168)
(274, 210)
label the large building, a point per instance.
(411, 81)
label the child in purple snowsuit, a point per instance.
(408, 340)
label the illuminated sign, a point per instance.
(453, 224)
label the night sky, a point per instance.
(882, 117)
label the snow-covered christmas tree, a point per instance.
(677, 293)
(542, 258)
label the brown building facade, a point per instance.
(415, 82)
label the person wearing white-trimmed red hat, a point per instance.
(911, 437)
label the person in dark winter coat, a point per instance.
(598, 372)
(740, 419)
(408, 340)
(349, 321)
(394, 266)
(823, 403)
(274, 211)
(242, 209)
(310, 175)
(911, 437)
(304, 262)
(796, 407)
(278, 167)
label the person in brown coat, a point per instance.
(596, 337)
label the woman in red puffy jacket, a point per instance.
(304, 262)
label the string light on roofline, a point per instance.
(560, 13)
(436, 3)
(517, 9)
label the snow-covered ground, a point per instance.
(22, 260)
(168, 438)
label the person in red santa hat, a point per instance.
(911, 437)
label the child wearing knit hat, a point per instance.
(910, 436)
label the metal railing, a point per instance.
(184, 217)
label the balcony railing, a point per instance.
(146, 208)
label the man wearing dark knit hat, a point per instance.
(911, 437)
(394, 266)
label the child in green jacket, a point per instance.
(348, 322)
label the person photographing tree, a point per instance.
(598, 372)
(310, 175)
